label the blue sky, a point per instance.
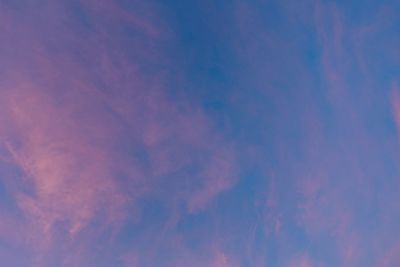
(199, 133)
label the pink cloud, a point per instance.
(391, 258)
(303, 260)
(395, 101)
(328, 161)
(223, 260)
(71, 124)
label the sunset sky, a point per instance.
(199, 133)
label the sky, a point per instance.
(199, 133)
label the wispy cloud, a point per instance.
(91, 131)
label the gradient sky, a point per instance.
(199, 133)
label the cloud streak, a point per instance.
(141, 133)
(91, 132)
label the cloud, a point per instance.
(92, 131)
(142, 134)
(326, 134)
(302, 260)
